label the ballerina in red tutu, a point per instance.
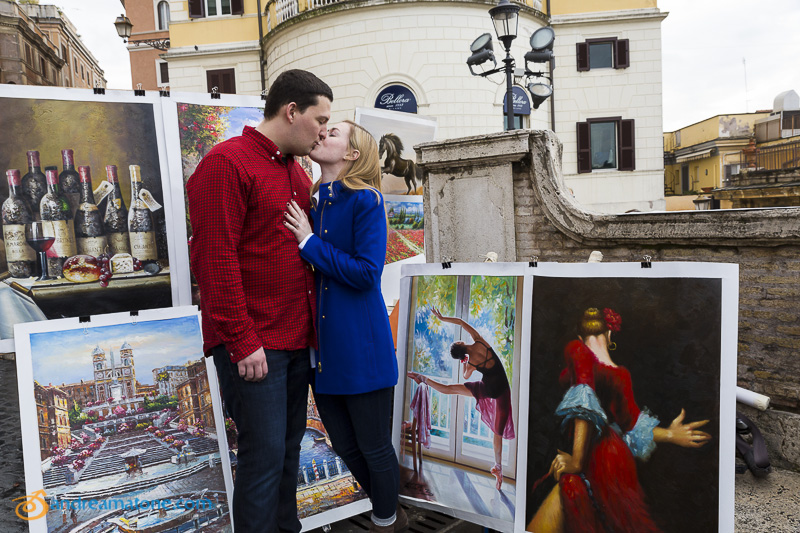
(598, 488)
(492, 392)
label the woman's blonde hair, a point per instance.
(364, 172)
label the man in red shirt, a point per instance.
(257, 294)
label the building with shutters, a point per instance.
(214, 43)
(700, 156)
(606, 107)
(151, 20)
(40, 46)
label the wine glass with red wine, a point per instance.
(35, 235)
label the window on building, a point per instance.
(163, 15)
(519, 122)
(213, 8)
(83, 74)
(163, 73)
(75, 62)
(224, 80)
(608, 52)
(43, 67)
(64, 55)
(606, 143)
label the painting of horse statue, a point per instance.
(391, 145)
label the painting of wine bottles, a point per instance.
(85, 230)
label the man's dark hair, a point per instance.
(298, 86)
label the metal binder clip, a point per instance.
(164, 90)
(264, 94)
(134, 317)
(446, 263)
(534, 261)
(215, 93)
(647, 263)
(85, 320)
(98, 89)
(138, 91)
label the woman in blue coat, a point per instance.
(356, 364)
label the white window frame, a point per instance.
(155, 15)
(219, 9)
(159, 81)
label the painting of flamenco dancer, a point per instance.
(624, 424)
(461, 394)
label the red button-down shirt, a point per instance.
(255, 289)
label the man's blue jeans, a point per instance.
(270, 416)
(361, 434)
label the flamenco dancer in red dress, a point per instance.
(492, 392)
(598, 488)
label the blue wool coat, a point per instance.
(348, 249)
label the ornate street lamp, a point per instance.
(505, 18)
(124, 27)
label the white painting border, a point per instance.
(175, 249)
(30, 432)
(463, 269)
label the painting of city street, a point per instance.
(460, 393)
(126, 415)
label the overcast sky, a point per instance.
(703, 44)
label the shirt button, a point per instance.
(278, 152)
(309, 292)
(295, 193)
(273, 159)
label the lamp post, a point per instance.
(505, 18)
(124, 27)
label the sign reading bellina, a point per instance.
(522, 104)
(397, 98)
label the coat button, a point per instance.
(323, 316)
(326, 288)
(326, 231)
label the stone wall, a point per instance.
(535, 216)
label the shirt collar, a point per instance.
(271, 148)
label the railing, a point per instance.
(286, 9)
(780, 157)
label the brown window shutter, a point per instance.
(213, 80)
(197, 9)
(584, 148)
(627, 145)
(583, 56)
(622, 56)
(228, 85)
(237, 7)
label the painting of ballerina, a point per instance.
(460, 394)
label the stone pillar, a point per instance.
(469, 196)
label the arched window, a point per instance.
(163, 15)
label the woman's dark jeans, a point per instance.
(360, 431)
(270, 417)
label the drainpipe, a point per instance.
(261, 48)
(552, 96)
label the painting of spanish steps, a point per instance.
(126, 430)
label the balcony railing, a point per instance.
(775, 160)
(279, 11)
